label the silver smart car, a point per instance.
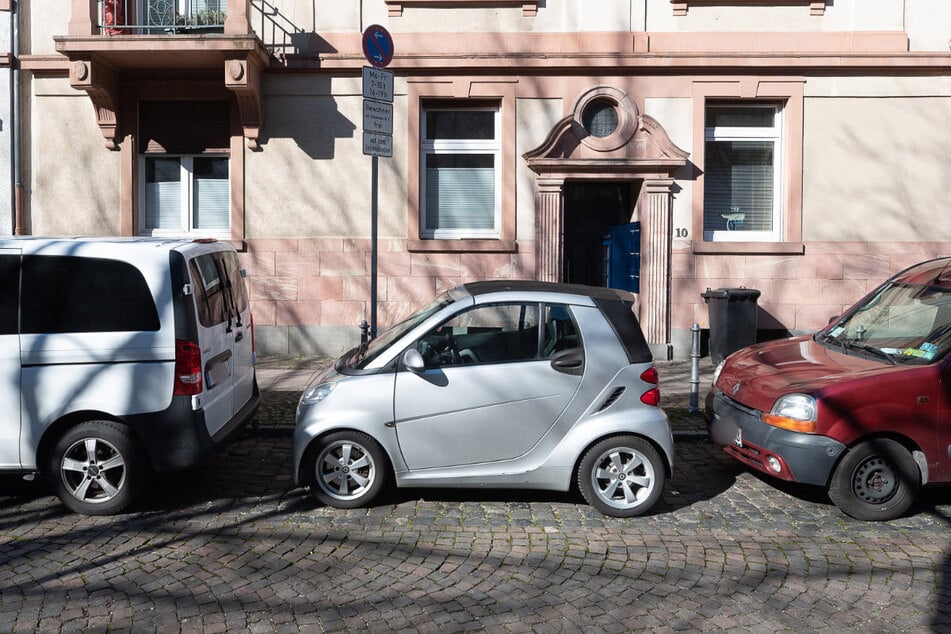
(499, 384)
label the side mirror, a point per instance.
(413, 360)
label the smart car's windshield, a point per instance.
(901, 323)
(367, 352)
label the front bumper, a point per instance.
(805, 458)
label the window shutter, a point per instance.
(460, 191)
(738, 175)
(184, 127)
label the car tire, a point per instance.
(875, 480)
(346, 470)
(621, 476)
(96, 468)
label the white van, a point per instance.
(120, 357)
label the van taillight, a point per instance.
(251, 319)
(187, 368)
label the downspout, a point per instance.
(18, 221)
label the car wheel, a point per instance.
(96, 468)
(621, 476)
(876, 480)
(347, 469)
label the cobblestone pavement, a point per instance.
(232, 546)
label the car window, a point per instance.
(371, 350)
(221, 294)
(500, 333)
(9, 293)
(492, 333)
(909, 323)
(72, 294)
(560, 330)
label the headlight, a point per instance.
(793, 411)
(717, 370)
(317, 393)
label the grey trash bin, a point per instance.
(732, 320)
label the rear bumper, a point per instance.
(177, 437)
(789, 455)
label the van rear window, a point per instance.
(221, 294)
(72, 294)
(9, 293)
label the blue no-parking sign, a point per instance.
(377, 45)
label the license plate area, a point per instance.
(738, 437)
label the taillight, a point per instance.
(652, 396)
(187, 368)
(251, 322)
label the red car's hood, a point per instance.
(758, 375)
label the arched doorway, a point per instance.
(602, 143)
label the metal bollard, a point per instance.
(694, 406)
(364, 331)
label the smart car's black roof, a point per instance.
(596, 292)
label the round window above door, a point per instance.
(607, 116)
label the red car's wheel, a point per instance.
(876, 480)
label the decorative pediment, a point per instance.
(648, 148)
(606, 133)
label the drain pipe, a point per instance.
(18, 220)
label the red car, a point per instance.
(862, 408)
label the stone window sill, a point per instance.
(748, 248)
(816, 7)
(529, 7)
(462, 246)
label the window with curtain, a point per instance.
(185, 169)
(460, 151)
(742, 173)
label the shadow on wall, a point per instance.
(284, 38)
(298, 45)
(317, 106)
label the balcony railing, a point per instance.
(157, 17)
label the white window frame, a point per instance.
(461, 146)
(774, 135)
(186, 216)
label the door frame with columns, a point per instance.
(629, 146)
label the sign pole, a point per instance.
(377, 135)
(374, 248)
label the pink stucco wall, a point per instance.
(799, 292)
(325, 282)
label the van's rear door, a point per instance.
(9, 358)
(224, 335)
(243, 347)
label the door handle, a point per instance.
(569, 361)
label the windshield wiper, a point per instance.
(835, 340)
(878, 352)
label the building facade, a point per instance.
(798, 147)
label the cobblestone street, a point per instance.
(234, 546)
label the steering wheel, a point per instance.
(453, 349)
